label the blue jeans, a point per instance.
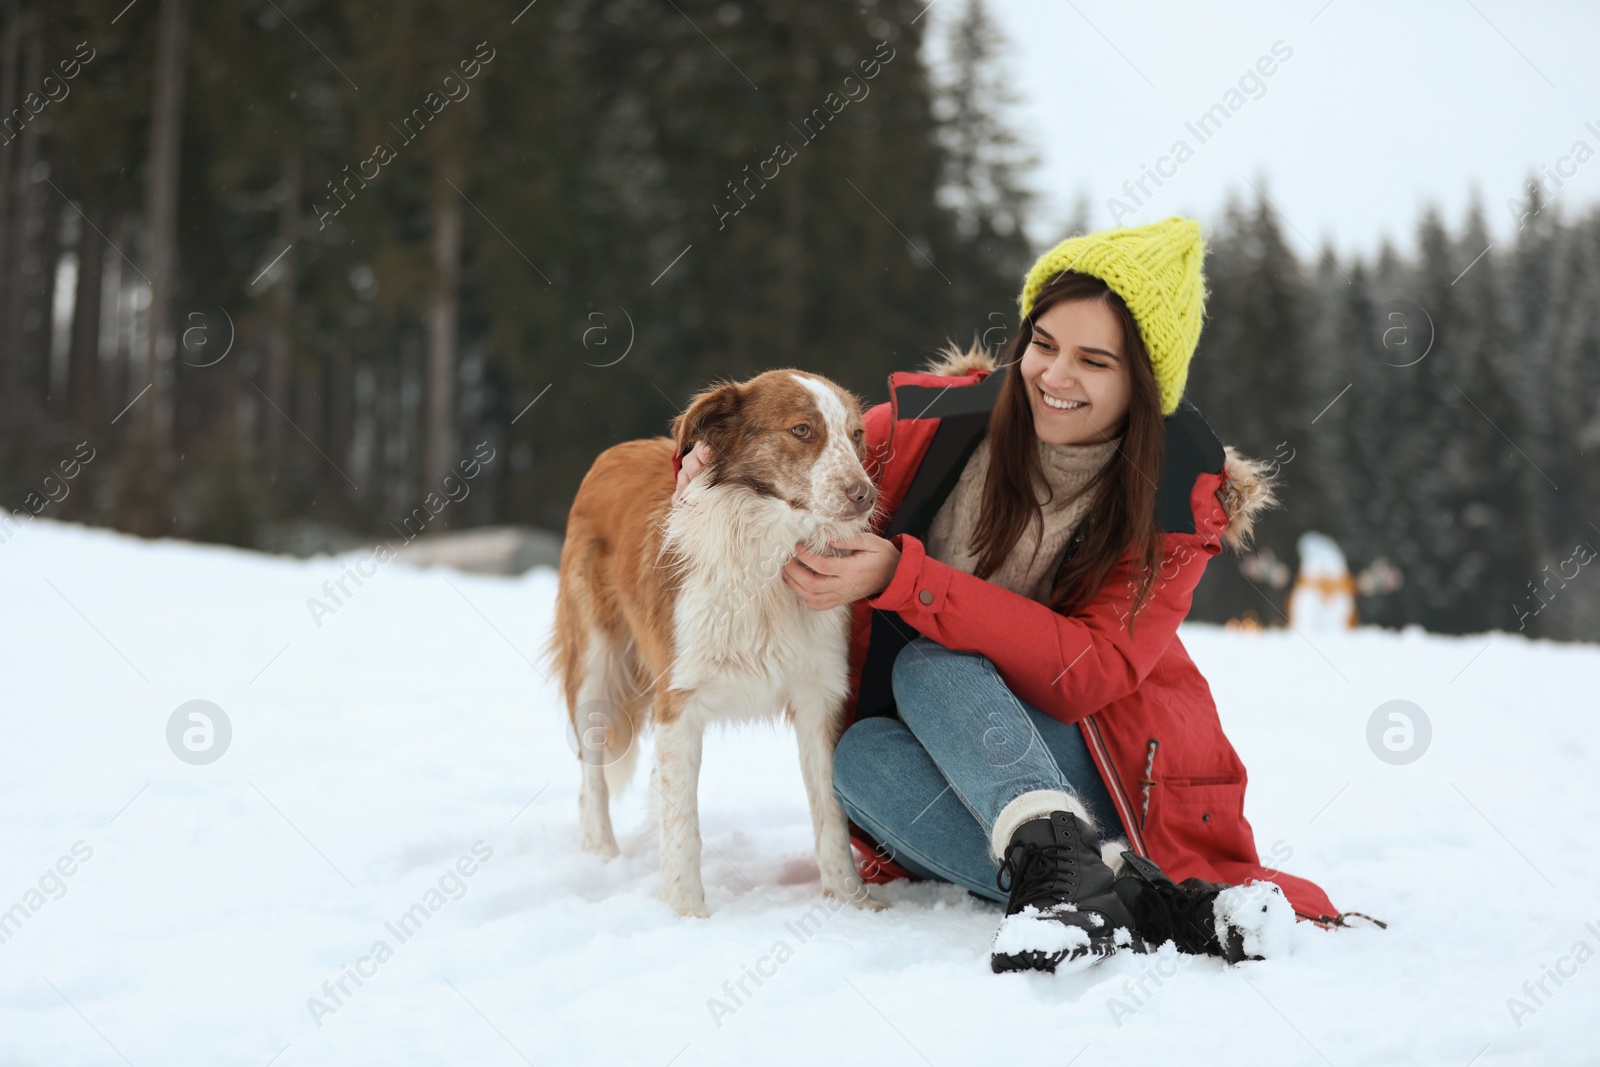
(929, 785)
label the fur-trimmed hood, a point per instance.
(952, 361)
(1249, 489)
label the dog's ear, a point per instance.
(709, 418)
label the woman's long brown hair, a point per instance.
(1121, 516)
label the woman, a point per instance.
(1022, 698)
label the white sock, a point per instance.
(1111, 855)
(1034, 805)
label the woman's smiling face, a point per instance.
(1076, 373)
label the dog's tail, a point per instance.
(608, 702)
(622, 745)
(558, 652)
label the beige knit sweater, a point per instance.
(1030, 569)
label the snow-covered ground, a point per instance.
(406, 752)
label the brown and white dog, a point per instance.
(678, 617)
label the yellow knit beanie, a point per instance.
(1156, 271)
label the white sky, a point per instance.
(1382, 107)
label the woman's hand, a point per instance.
(688, 467)
(824, 582)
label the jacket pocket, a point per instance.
(1205, 815)
(1183, 781)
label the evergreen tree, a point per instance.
(1488, 502)
(1246, 380)
(985, 165)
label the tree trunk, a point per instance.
(144, 492)
(49, 210)
(83, 358)
(117, 375)
(789, 332)
(280, 336)
(443, 315)
(10, 49)
(23, 238)
(161, 218)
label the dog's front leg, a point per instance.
(815, 727)
(677, 785)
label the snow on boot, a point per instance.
(1063, 914)
(1256, 916)
(1245, 922)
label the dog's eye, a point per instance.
(800, 430)
(857, 435)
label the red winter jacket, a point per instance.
(1145, 710)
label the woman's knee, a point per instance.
(853, 756)
(914, 668)
(922, 672)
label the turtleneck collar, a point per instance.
(1068, 460)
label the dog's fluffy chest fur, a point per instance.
(738, 629)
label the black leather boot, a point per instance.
(1194, 915)
(1063, 914)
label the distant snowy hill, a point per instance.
(382, 866)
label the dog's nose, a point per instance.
(862, 495)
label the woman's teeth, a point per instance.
(1060, 405)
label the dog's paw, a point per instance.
(604, 847)
(854, 894)
(690, 910)
(691, 904)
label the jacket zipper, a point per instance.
(1148, 781)
(1113, 781)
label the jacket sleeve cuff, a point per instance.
(918, 584)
